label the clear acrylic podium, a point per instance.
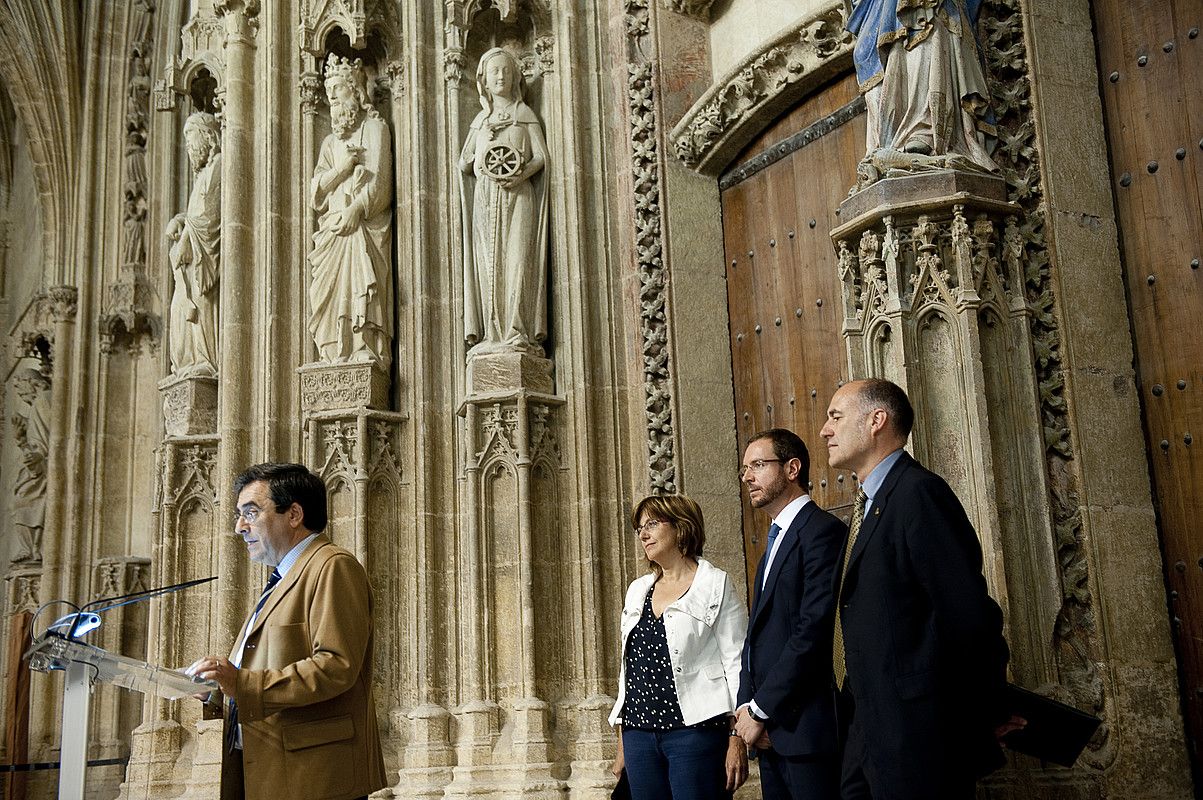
(84, 665)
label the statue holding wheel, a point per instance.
(504, 207)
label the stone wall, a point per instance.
(487, 489)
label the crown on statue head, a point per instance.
(344, 69)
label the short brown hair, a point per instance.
(683, 513)
(787, 446)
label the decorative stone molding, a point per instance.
(115, 576)
(762, 86)
(393, 80)
(1075, 638)
(545, 54)
(61, 303)
(653, 278)
(189, 405)
(24, 589)
(310, 90)
(698, 9)
(334, 387)
(128, 315)
(454, 64)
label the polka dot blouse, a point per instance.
(651, 696)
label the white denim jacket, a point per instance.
(705, 630)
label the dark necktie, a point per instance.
(232, 728)
(838, 662)
(774, 532)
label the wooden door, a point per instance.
(780, 202)
(1151, 62)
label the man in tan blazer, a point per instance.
(301, 721)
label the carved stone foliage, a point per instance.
(698, 9)
(343, 386)
(764, 84)
(1075, 637)
(189, 405)
(649, 257)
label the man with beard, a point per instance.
(352, 191)
(787, 709)
(194, 251)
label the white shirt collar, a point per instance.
(786, 516)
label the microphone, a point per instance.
(83, 621)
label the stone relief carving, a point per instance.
(649, 244)
(698, 9)
(505, 223)
(920, 68)
(31, 432)
(805, 54)
(1075, 637)
(350, 292)
(194, 252)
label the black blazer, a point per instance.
(787, 655)
(923, 639)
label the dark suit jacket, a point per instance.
(923, 639)
(787, 655)
(305, 686)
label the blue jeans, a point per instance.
(685, 764)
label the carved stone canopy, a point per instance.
(763, 85)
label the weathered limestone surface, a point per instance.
(485, 481)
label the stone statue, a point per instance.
(194, 251)
(350, 294)
(505, 225)
(920, 68)
(32, 435)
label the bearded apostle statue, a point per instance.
(505, 223)
(194, 252)
(350, 293)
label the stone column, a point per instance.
(934, 299)
(239, 283)
(61, 548)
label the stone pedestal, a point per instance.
(337, 387)
(501, 371)
(429, 756)
(935, 298)
(189, 405)
(154, 748)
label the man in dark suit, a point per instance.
(786, 707)
(918, 655)
(302, 721)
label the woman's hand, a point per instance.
(737, 763)
(620, 762)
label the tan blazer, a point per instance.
(305, 686)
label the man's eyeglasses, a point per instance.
(757, 466)
(250, 514)
(649, 526)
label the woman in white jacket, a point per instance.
(683, 630)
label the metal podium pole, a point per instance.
(73, 759)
